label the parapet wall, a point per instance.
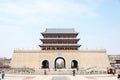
(47, 51)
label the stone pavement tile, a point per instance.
(19, 77)
(66, 77)
(95, 77)
(60, 78)
(37, 78)
(107, 78)
(77, 77)
(43, 77)
(13, 78)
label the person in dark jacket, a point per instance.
(3, 75)
(73, 72)
(118, 76)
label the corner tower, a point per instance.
(59, 39)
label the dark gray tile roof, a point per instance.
(60, 30)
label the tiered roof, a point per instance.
(59, 39)
(60, 31)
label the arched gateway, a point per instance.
(59, 63)
(45, 64)
(59, 50)
(74, 64)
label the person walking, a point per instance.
(73, 72)
(45, 73)
(3, 75)
(118, 76)
(113, 71)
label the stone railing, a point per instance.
(81, 71)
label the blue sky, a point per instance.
(22, 21)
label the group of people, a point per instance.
(111, 71)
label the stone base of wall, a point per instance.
(85, 58)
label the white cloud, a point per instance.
(41, 12)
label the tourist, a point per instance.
(73, 72)
(108, 70)
(77, 68)
(113, 71)
(0, 74)
(118, 76)
(3, 75)
(45, 72)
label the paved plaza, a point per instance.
(60, 77)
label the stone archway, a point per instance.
(45, 64)
(59, 63)
(74, 64)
